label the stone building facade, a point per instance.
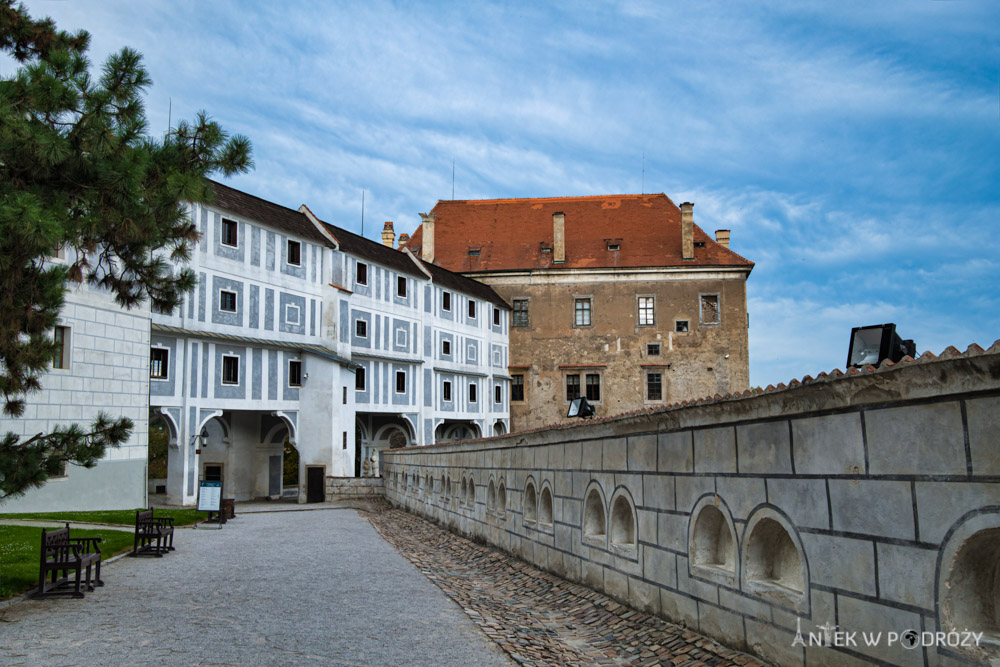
(302, 332)
(103, 367)
(620, 299)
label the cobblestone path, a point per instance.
(536, 617)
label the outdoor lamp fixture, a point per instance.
(579, 407)
(875, 343)
(203, 438)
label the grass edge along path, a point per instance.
(181, 516)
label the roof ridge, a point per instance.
(552, 199)
(253, 196)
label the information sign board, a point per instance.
(209, 496)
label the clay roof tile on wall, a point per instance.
(511, 234)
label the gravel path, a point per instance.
(275, 588)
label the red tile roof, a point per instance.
(512, 234)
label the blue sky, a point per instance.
(853, 148)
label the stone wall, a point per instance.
(340, 489)
(862, 503)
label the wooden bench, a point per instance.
(62, 554)
(153, 536)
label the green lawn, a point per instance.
(20, 547)
(182, 517)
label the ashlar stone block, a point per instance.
(764, 448)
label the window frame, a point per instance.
(288, 252)
(295, 363)
(583, 308)
(471, 310)
(164, 364)
(587, 384)
(497, 394)
(445, 347)
(298, 314)
(446, 396)
(519, 316)
(360, 273)
(361, 378)
(400, 381)
(651, 346)
(446, 300)
(679, 323)
(236, 366)
(659, 375)
(229, 223)
(576, 385)
(360, 328)
(62, 335)
(645, 310)
(519, 383)
(496, 316)
(401, 287)
(701, 308)
(236, 301)
(473, 392)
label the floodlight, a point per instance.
(875, 343)
(579, 407)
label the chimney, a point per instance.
(427, 243)
(403, 238)
(388, 234)
(558, 237)
(687, 231)
(722, 237)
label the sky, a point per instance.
(853, 148)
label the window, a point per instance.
(472, 309)
(593, 387)
(227, 301)
(361, 328)
(60, 358)
(652, 349)
(474, 252)
(572, 387)
(582, 312)
(230, 370)
(497, 394)
(517, 387)
(401, 286)
(345, 394)
(292, 314)
(158, 358)
(681, 326)
(400, 337)
(294, 253)
(496, 316)
(646, 317)
(294, 373)
(470, 355)
(230, 236)
(359, 379)
(400, 382)
(614, 246)
(446, 301)
(446, 391)
(654, 386)
(520, 312)
(472, 393)
(446, 348)
(361, 273)
(709, 308)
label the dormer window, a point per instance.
(614, 246)
(474, 252)
(699, 244)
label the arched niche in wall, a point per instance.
(465, 491)
(501, 506)
(712, 540)
(595, 531)
(622, 533)
(545, 506)
(470, 493)
(491, 497)
(968, 582)
(530, 503)
(774, 563)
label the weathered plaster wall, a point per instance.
(867, 502)
(710, 357)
